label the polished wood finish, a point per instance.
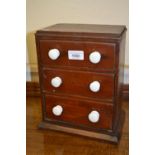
(77, 83)
(76, 75)
(107, 51)
(33, 90)
(84, 30)
(75, 112)
(48, 142)
(90, 134)
(126, 92)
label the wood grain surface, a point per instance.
(47, 142)
(77, 75)
(107, 51)
(33, 89)
(77, 83)
(83, 30)
(76, 111)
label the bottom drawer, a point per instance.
(85, 113)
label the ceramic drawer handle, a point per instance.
(56, 82)
(94, 116)
(95, 57)
(54, 54)
(94, 86)
(57, 110)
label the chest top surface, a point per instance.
(84, 29)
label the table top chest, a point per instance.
(81, 78)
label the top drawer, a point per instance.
(78, 54)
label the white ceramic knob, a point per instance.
(54, 54)
(94, 86)
(57, 110)
(95, 57)
(94, 116)
(56, 82)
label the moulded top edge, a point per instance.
(84, 30)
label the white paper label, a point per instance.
(75, 55)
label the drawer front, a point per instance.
(107, 53)
(76, 112)
(78, 83)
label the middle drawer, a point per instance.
(79, 83)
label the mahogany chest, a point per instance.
(81, 79)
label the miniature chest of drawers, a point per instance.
(81, 78)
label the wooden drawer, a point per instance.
(107, 51)
(78, 83)
(75, 112)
